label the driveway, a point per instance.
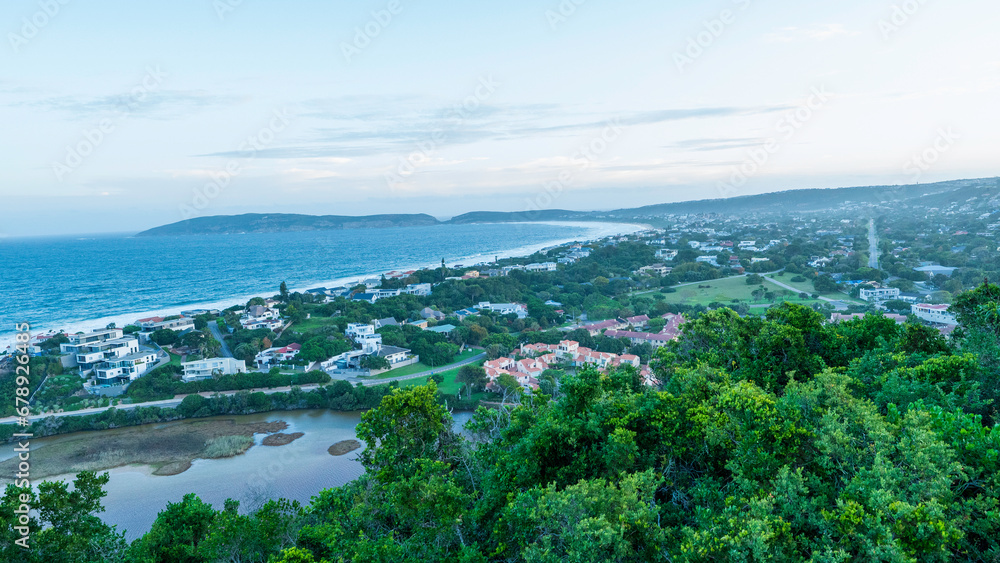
(214, 327)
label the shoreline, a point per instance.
(599, 230)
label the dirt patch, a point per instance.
(174, 468)
(344, 447)
(282, 439)
(158, 445)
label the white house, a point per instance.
(541, 267)
(418, 289)
(206, 369)
(934, 313)
(504, 308)
(125, 368)
(274, 356)
(879, 294)
(666, 254)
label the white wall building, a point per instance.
(934, 313)
(207, 369)
(129, 367)
(879, 294)
(504, 308)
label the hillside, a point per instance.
(941, 194)
(284, 222)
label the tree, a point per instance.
(473, 376)
(283, 291)
(755, 279)
(375, 362)
(825, 284)
(163, 336)
(178, 532)
(67, 529)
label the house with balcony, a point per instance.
(125, 369)
(212, 367)
(937, 314)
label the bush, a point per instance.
(227, 446)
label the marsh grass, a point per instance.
(226, 446)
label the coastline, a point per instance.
(598, 231)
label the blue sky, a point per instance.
(123, 115)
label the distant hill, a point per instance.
(284, 222)
(942, 194)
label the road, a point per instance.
(367, 382)
(837, 304)
(217, 334)
(872, 245)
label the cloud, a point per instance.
(156, 104)
(400, 133)
(816, 33)
(717, 144)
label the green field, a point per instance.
(312, 324)
(420, 366)
(725, 291)
(448, 387)
(807, 287)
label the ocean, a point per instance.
(86, 282)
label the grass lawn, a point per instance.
(724, 291)
(420, 366)
(175, 360)
(448, 387)
(807, 287)
(312, 324)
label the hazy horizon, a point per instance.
(132, 116)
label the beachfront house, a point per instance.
(125, 369)
(274, 356)
(212, 367)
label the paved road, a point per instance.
(367, 382)
(872, 245)
(214, 327)
(837, 304)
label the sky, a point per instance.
(123, 115)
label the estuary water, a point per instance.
(296, 471)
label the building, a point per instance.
(385, 322)
(394, 354)
(428, 313)
(274, 356)
(937, 314)
(936, 270)
(541, 267)
(207, 369)
(358, 330)
(879, 294)
(666, 254)
(653, 339)
(441, 329)
(504, 308)
(126, 368)
(639, 321)
(597, 328)
(418, 289)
